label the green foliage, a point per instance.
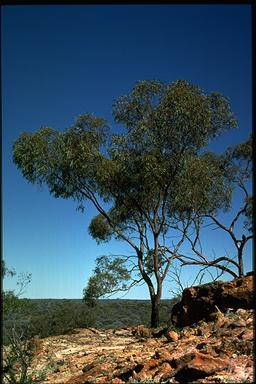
(62, 159)
(237, 162)
(238, 170)
(166, 117)
(17, 349)
(109, 275)
(166, 123)
(18, 357)
(242, 151)
(6, 271)
(153, 173)
(13, 306)
(57, 317)
(52, 317)
(120, 313)
(48, 318)
(99, 229)
(202, 197)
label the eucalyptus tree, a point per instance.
(137, 173)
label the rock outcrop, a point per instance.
(204, 302)
(208, 352)
(216, 348)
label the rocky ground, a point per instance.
(219, 351)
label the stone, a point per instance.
(142, 331)
(202, 301)
(79, 379)
(35, 345)
(147, 370)
(172, 336)
(237, 324)
(163, 373)
(200, 366)
(248, 335)
(237, 294)
(116, 380)
(207, 352)
(87, 367)
(241, 312)
(163, 354)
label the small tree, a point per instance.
(13, 305)
(109, 277)
(137, 173)
(18, 345)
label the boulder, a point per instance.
(198, 367)
(172, 336)
(142, 331)
(202, 301)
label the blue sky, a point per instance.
(61, 61)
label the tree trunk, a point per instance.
(240, 260)
(154, 314)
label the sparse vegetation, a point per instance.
(18, 347)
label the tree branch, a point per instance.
(212, 264)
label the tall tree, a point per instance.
(137, 173)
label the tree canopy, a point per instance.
(156, 172)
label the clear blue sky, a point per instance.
(61, 61)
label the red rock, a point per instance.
(248, 335)
(164, 372)
(142, 376)
(163, 354)
(200, 366)
(151, 363)
(172, 336)
(80, 379)
(203, 353)
(116, 380)
(201, 301)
